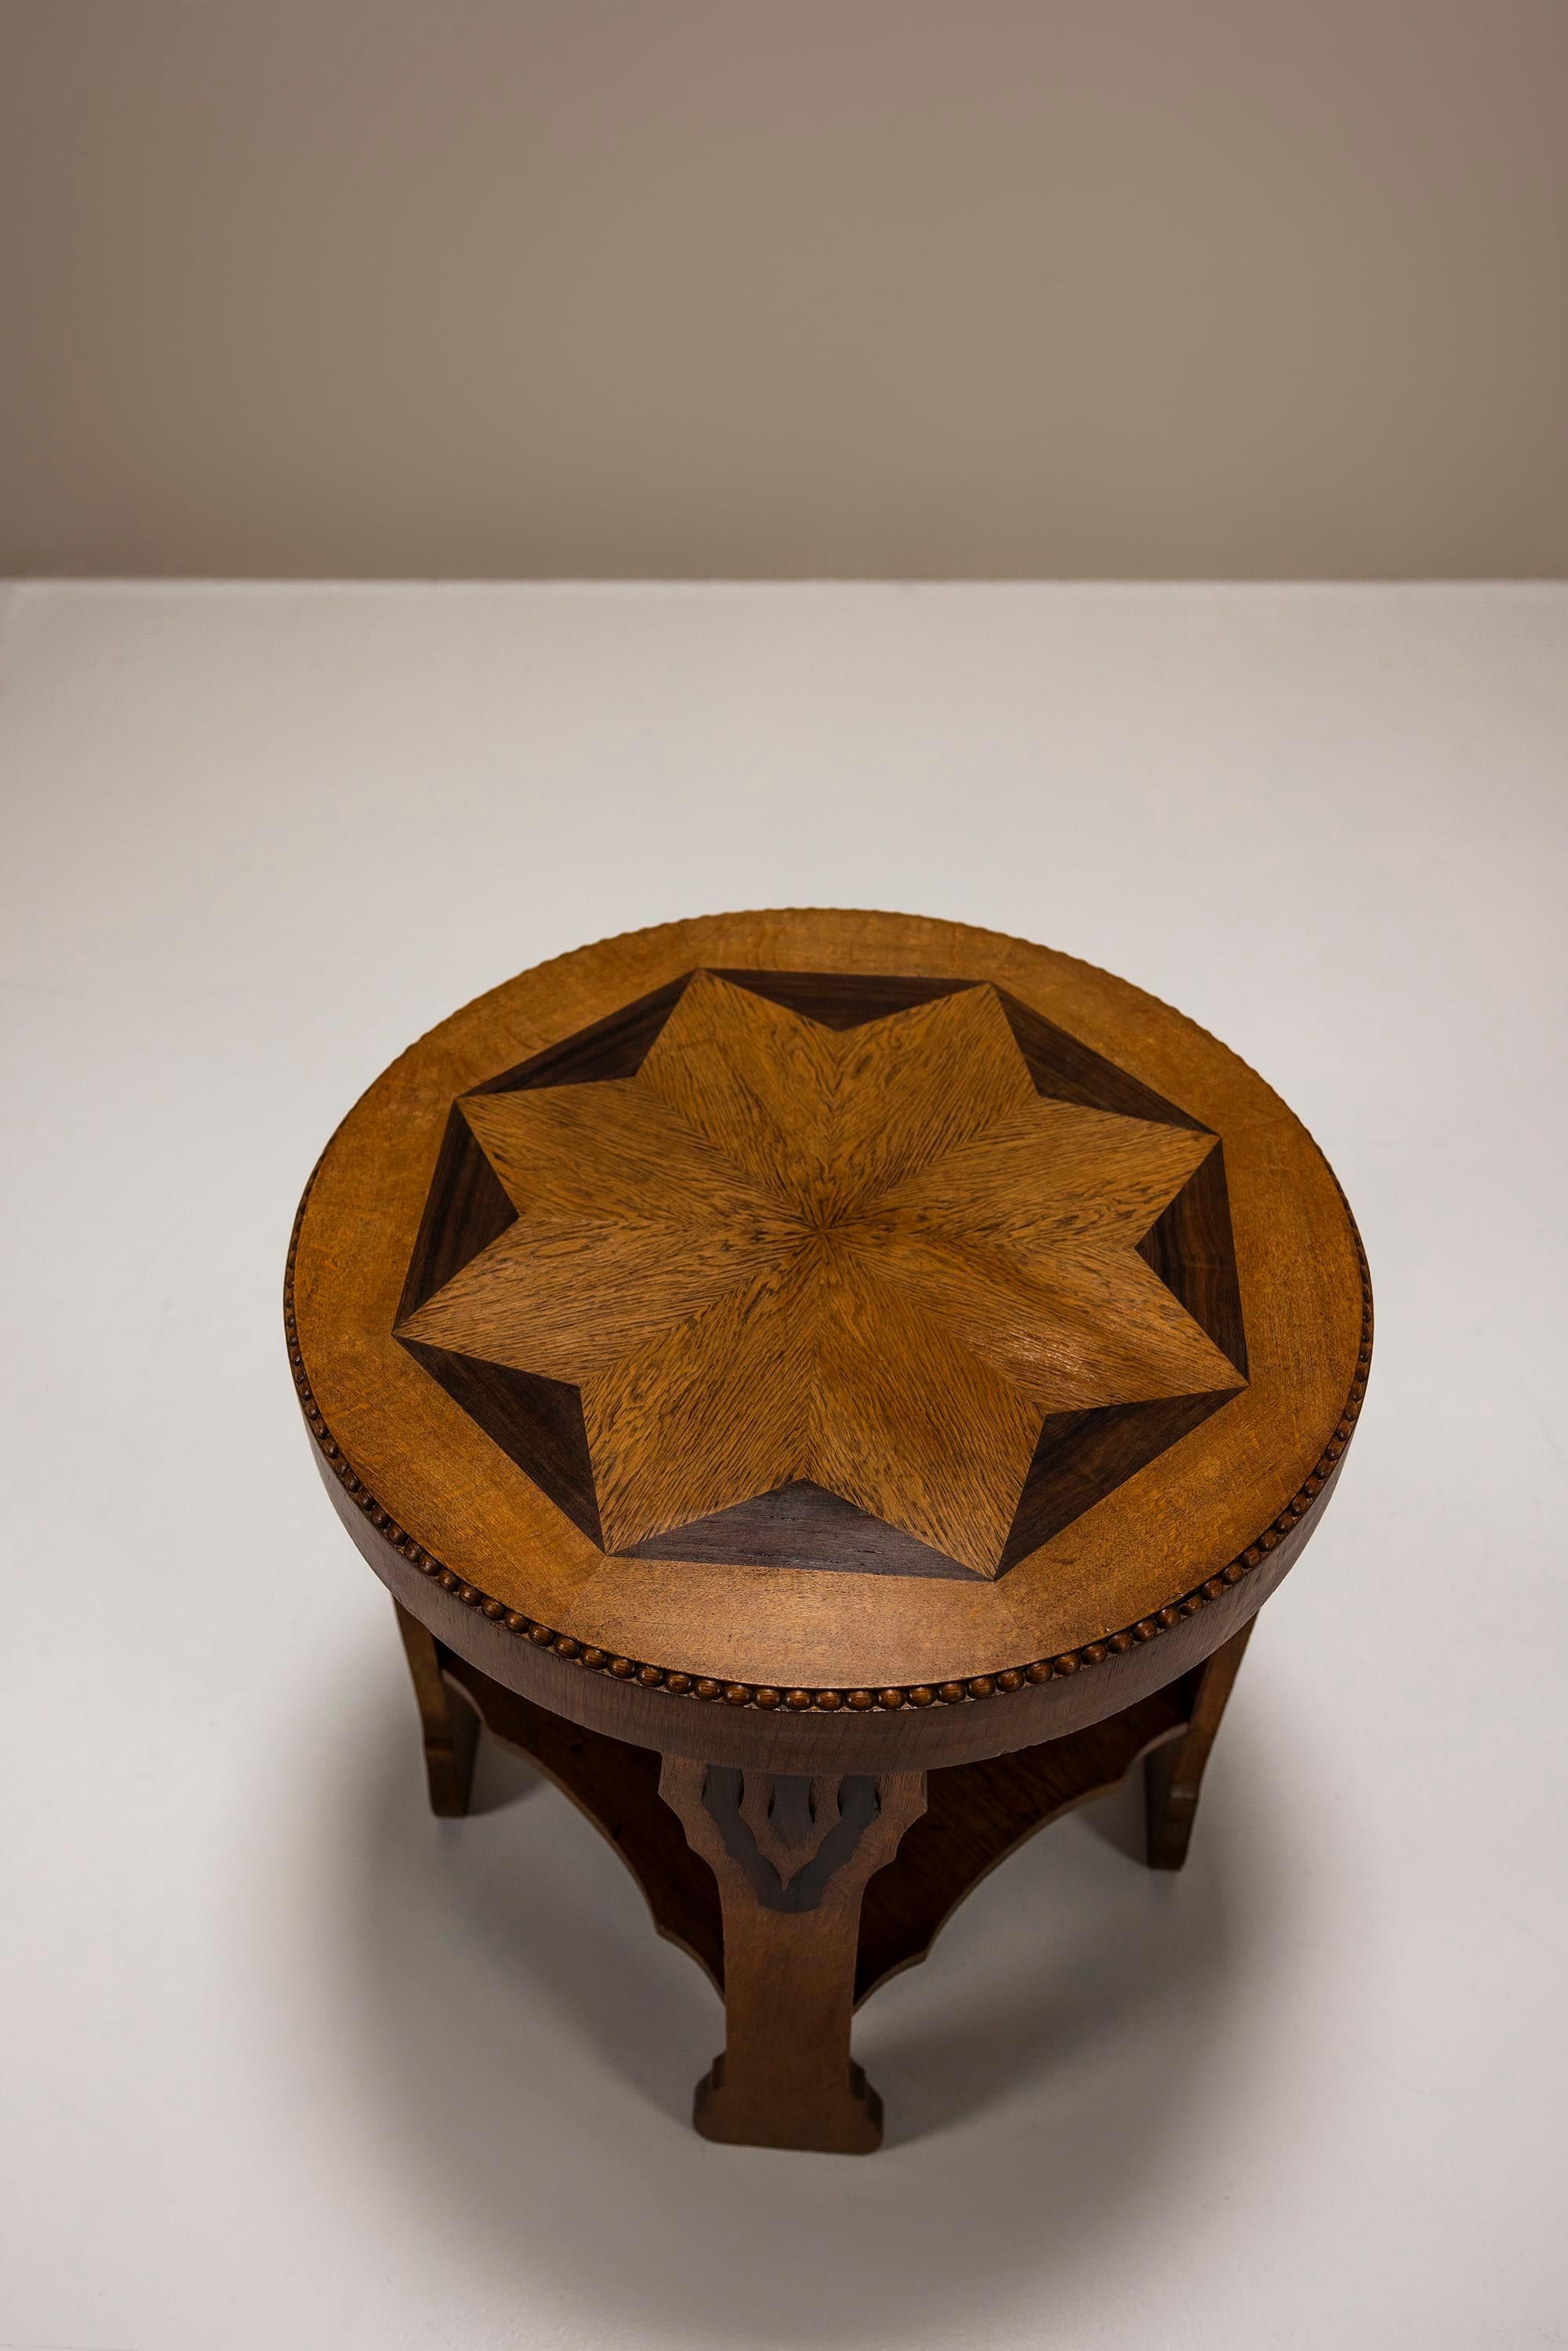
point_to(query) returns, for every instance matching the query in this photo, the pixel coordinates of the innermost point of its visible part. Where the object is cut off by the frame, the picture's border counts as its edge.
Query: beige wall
(1198, 288)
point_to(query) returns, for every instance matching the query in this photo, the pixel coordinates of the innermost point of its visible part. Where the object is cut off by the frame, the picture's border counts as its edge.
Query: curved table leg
(792, 1857)
(1173, 1775)
(450, 1725)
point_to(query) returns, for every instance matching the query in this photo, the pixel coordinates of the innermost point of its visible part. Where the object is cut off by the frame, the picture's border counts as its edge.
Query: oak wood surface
(791, 1902)
(799, 1895)
(1173, 1776)
(450, 1727)
(1008, 1237)
(869, 1259)
(947, 1731)
(771, 1362)
(977, 1815)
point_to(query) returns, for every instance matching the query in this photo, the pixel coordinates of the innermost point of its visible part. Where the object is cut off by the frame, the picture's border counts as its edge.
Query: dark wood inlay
(1066, 1069)
(466, 1210)
(614, 1047)
(886, 1260)
(838, 999)
(1081, 1457)
(536, 1423)
(801, 1525)
(1191, 1248)
(764, 1211)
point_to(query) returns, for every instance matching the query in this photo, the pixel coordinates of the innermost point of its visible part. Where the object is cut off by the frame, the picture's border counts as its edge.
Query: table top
(824, 1304)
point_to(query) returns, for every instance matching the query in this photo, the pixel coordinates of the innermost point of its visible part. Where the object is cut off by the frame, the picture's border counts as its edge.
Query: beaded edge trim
(764, 1695)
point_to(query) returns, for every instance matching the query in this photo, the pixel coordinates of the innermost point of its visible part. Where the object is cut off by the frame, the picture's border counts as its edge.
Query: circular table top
(827, 1302)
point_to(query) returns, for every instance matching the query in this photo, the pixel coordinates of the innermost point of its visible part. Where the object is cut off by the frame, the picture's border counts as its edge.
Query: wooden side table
(834, 1389)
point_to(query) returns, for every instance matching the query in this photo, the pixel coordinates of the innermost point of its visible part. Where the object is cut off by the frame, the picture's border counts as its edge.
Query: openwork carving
(789, 1835)
(869, 1274)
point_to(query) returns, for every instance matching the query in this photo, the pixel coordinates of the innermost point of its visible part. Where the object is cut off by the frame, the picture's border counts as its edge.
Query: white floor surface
(289, 2063)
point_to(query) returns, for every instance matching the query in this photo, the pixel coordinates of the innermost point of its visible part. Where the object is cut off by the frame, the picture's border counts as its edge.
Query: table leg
(792, 1857)
(450, 1725)
(1172, 1774)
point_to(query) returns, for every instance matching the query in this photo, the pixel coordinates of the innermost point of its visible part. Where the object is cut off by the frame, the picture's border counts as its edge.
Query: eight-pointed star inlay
(873, 1261)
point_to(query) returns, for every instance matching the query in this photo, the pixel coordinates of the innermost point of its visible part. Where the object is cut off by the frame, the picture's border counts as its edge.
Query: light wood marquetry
(836, 1390)
(872, 1259)
(831, 1302)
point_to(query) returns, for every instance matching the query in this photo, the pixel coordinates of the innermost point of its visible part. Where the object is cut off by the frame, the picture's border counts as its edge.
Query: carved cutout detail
(790, 1835)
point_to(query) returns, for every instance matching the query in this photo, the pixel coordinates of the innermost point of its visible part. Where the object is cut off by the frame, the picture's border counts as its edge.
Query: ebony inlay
(536, 1422)
(1081, 1457)
(840, 999)
(1191, 1250)
(1066, 1069)
(801, 1525)
(626, 1198)
(614, 1047)
(466, 1210)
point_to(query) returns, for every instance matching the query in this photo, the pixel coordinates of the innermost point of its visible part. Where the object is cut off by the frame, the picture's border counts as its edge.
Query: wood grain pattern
(532, 1418)
(1068, 1069)
(865, 1260)
(799, 1524)
(402, 1452)
(469, 1207)
(977, 1815)
(1189, 1246)
(449, 1727)
(611, 1048)
(785, 2077)
(761, 1729)
(1080, 1457)
(803, 1242)
(789, 1837)
(1174, 1777)
(843, 1000)
(615, 1786)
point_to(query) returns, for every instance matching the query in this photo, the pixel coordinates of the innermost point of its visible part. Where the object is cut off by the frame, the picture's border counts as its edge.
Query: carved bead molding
(793, 1842)
(583, 1657)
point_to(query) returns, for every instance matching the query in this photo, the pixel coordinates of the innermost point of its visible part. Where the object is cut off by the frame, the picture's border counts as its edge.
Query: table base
(797, 1896)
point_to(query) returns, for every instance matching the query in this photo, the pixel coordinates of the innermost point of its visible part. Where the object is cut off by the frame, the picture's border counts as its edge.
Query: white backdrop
(288, 2062)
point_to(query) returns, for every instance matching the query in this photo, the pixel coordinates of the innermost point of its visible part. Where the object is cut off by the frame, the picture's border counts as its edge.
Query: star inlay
(873, 1261)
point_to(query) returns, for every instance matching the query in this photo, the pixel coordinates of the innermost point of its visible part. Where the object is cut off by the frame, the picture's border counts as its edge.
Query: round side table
(834, 1390)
